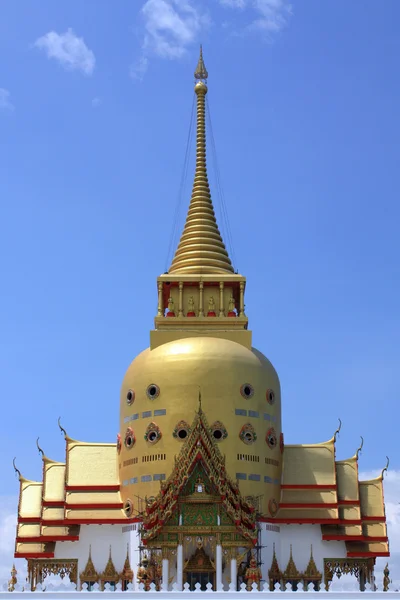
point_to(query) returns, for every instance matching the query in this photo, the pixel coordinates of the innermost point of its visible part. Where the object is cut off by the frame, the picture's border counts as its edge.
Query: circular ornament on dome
(128, 508)
(247, 390)
(153, 433)
(130, 397)
(181, 430)
(271, 438)
(270, 395)
(129, 438)
(119, 444)
(218, 431)
(273, 507)
(247, 434)
(153, 391)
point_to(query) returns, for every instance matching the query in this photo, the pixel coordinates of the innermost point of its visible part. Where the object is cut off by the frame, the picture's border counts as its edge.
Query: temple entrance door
(202, 577)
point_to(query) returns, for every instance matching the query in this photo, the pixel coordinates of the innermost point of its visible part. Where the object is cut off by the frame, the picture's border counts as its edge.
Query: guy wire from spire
(174, 232)
(224, 210)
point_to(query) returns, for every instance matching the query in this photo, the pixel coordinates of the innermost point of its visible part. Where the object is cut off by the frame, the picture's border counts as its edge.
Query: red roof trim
(381, 519)
(349, 502)
(29, 520)
(366, 554)
(312, 521)
(288, 486)
(308, 505)
(33, 554)
(53, 503)
(48, 538)
(66, 522)
(353, 538)
(94, 506)
(92, 488)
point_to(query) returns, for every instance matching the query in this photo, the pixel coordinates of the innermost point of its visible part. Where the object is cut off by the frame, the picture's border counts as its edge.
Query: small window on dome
(270, 396)
(218, 431)
(271, 438)
(129, 438)
(128, 508)
(248, 434)
(181, 430)
(247, 390)
(130, 397)
(153, 433)
(153, 391)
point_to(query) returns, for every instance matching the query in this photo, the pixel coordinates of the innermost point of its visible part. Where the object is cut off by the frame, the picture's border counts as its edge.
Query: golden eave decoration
(200, 447)
(110, 573)
(311, 573)
(89, 574)
(291, 572)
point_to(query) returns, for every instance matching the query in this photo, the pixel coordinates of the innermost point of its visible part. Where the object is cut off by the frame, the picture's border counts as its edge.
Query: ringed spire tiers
(201, 249)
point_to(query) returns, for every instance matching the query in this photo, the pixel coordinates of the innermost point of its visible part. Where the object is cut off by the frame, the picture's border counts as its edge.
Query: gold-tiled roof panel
(93, 497)
(347, 479)
(28, 529)
(289, 496)
(371, 498)
(91, 464)
(350, 513)
(341, 530)
(370, 547)
(53, 480)
(51, 513)
(374, 529)
(92, 514)
(30, 498)
(303, 513)
(311, 464)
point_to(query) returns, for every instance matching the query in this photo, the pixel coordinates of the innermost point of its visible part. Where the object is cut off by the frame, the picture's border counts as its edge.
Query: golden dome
(234, 383)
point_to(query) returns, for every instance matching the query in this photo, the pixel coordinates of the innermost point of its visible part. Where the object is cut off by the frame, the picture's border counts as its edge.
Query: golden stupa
(200, 474)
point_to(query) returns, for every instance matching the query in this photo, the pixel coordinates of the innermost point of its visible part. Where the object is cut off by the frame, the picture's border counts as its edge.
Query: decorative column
(180, 306)
(201, 308)
(218, 567)
(233, 571)
(179, 566)
(160, 308)
(221, 299)
(241, 300)
(165, 569)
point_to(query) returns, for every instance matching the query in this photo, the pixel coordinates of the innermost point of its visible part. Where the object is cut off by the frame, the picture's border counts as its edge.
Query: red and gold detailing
(253, 575)
(273, 507)
(181, 430)
(248, 434)
(153, 433)
(274, 573)
(199, 450)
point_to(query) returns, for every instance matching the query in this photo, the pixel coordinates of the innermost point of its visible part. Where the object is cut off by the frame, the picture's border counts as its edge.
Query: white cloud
(69, 49)
(5, 102)
(268, 16)
(171, 26)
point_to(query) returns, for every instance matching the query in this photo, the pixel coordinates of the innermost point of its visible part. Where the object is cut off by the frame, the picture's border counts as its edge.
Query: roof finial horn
(62, 428)
(360, 447)
(386, 467)
(337, 430)
(15, 468)
(39, 448)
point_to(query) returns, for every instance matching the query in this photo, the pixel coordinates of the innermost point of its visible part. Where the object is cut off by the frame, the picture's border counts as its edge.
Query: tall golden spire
(201, 249)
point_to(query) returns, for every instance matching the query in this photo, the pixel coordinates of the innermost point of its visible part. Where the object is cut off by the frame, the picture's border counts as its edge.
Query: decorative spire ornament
(201, 249)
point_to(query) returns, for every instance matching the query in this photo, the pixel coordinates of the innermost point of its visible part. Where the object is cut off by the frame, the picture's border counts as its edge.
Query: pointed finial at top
(61, 428)
(39, 448)
(386, 467)
(360, 446)
(337, 430)
(201, 71)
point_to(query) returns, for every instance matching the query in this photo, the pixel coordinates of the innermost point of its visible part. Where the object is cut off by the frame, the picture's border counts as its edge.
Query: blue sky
(95, 105)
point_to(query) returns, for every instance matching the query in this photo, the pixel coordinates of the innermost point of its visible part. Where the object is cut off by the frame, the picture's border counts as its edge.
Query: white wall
(301, 537)
(100, 537)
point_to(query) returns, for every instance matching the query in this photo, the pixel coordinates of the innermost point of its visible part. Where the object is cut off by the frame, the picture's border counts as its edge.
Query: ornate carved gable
(311, 573)
(200, 455)
(127, 573)
(199, 561)
(291, 572)
(110, 573)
